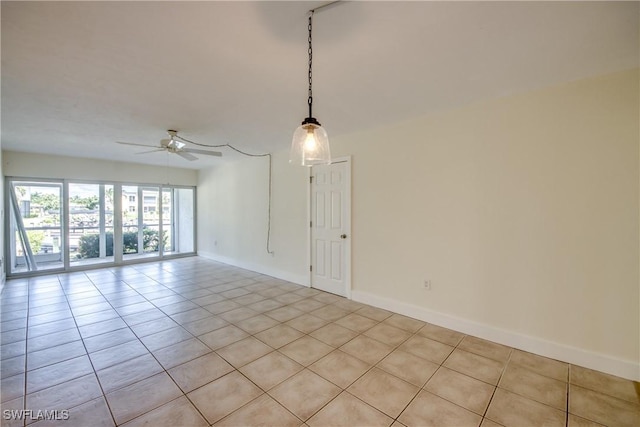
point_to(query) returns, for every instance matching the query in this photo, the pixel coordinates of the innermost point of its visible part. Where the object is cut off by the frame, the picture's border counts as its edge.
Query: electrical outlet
(427, 284)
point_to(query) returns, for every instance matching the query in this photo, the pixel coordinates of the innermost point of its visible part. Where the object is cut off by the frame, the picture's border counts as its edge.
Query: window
(58, 225)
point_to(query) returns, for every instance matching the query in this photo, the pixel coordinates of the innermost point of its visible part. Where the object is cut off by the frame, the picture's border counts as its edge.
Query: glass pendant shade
(310, 145)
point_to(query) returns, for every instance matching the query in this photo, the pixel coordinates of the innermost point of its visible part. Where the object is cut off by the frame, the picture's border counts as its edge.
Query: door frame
(347, 222)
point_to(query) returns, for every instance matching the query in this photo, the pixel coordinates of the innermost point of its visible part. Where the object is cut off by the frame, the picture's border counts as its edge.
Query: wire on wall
(269, 251)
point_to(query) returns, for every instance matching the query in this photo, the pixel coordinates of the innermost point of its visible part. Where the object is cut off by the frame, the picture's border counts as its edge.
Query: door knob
(343, 236)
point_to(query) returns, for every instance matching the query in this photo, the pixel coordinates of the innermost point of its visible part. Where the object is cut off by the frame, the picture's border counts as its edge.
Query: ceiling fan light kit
(310, 145)
(175, 146)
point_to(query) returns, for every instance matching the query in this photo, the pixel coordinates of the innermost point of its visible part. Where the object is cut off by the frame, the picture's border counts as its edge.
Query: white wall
(18, 164)
(3, 273)
(523, 212)
(233, 216)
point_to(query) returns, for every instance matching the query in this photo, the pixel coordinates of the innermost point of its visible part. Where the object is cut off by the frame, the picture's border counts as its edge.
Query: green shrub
(89, 244)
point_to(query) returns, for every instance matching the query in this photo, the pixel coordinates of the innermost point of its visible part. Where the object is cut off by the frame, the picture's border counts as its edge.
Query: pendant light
(310, 145)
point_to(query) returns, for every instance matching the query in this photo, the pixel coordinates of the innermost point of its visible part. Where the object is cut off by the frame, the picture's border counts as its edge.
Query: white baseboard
(258, 268)
(600, 362)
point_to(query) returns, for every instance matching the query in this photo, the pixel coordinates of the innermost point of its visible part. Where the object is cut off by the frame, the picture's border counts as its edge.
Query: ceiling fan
(175, 146)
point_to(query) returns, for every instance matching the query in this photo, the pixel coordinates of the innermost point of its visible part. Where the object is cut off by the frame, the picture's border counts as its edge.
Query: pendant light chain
(310, 100)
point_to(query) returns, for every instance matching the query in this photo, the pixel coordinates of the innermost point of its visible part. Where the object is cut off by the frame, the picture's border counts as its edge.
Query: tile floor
(191, 342)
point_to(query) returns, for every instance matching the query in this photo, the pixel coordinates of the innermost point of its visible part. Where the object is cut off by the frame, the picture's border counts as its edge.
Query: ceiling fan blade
(137, 145)
(151, 151)
(187, 156)
(205, 152)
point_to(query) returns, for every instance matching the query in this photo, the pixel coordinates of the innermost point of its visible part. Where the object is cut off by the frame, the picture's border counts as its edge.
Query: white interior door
(331, 227)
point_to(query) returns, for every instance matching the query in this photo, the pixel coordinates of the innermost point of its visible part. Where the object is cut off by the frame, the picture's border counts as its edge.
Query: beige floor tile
(356, 322)
(349, 305)
(605, 383)
(429, 410)
(12, 405)
(304, 393)
(427, 349)
(279, 335)
(152, 326)
(63, 337)
(94, 413)
(244, 351)
(340, 368)
(330, 313)
(178, 412)
(143, 396)
(234, 293)
(408, 367)
(289, 298)
(388, 334)
(271, 292)
(334, 335)
(256, 324)
(486, 422)
(129, 372)
(308, 305)
(181, 352)
(602, 408)
(55, 374)
(238, 314)
(485, 348)
(52, 355)
(306, 350)
(165, 338)
(535, 386)
(575, 421)
(270, 370)
(444, 335)
(66, 395)
(14, 349)
(109, 339)
(223, 337)
(265, 305)
(221, 307)
(284, 314)
(191, 315)
(475, 366)
(470, 393)
(12, 387)
(349, 411)
(13, 366)
(199, 372)
(540, 365)
(374, 313)
(404, 322)
(383, 391)
(120, 353)
(367, 349)
(328, 298)
(510, 409)
(248, 299)
(263, 411)
(221, 397)
(205, 325)
(307, 323)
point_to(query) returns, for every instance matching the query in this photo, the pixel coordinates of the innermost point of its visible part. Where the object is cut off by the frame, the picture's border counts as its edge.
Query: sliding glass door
(68, 225)
(90, 228)
(35, 234)
(141, 212)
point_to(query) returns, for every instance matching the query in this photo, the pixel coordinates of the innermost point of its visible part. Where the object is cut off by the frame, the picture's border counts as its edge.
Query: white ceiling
(77, 76)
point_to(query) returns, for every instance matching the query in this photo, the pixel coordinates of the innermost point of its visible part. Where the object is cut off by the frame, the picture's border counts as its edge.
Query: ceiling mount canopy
(310, 145)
